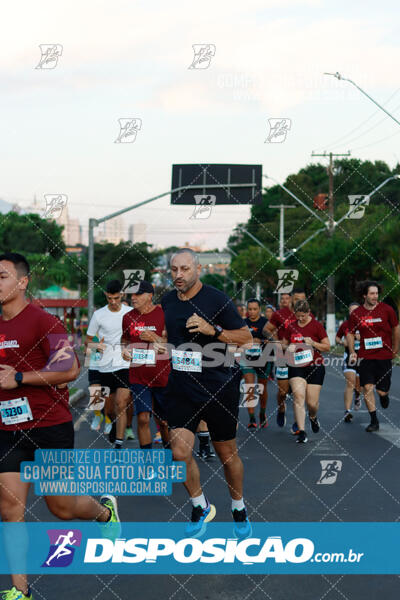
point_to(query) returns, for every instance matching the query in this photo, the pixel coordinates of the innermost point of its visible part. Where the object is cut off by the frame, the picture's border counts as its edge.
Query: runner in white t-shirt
(111, 370)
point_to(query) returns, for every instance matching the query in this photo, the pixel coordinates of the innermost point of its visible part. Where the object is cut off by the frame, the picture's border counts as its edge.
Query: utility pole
(330, 284)
(281, 228)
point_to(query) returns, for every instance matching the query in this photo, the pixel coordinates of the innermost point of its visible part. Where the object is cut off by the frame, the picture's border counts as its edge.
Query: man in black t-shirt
(204, 383)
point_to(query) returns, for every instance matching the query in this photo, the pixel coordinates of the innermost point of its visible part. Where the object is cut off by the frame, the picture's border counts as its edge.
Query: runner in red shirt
(379, 330)
(305, 339)
(276, 327)
(36, 363)
(350, 369)
(149, 371)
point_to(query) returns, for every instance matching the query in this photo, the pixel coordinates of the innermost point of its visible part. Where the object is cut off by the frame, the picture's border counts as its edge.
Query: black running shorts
(219, 410)
(313, 374)
(94, 377)
(115, 380)
(378, 372)
(18, 446)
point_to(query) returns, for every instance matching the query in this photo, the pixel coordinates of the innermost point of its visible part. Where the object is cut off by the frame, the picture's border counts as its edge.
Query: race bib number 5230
(15, 411)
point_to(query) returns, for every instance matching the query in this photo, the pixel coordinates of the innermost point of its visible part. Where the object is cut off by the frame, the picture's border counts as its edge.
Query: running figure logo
(132, 277)
(50, 55)
(98, 396)
(287, 278)
(278, 130)
(329, 471)
(357, 205)
(128, 129)
(62, 547)
(204, 204)
(251, 394)
(54, 205)
(203, 54)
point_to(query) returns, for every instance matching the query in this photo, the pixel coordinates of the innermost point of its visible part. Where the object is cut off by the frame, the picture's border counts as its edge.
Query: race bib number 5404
(186, 361)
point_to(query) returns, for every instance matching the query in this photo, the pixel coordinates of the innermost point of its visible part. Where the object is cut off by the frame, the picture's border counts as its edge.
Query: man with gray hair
(203, 388)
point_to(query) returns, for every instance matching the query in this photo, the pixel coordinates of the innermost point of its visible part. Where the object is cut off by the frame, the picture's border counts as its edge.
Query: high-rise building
(72, 232)
(137, 233)
(112, 231)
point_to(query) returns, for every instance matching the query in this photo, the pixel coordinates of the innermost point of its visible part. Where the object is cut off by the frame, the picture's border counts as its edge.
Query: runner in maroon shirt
(276, 327)
(149, 371)
(305, 339)
(36, 363)
(379, 343)
(350, 370)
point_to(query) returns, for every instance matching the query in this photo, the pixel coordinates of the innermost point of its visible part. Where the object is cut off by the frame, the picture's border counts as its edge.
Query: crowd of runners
(187, 362)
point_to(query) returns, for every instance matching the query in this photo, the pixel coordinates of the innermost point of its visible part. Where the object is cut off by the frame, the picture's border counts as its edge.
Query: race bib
(183, 360)
(303, 357)
(282, 372)
(143, 357)
(253, 352)
(15, 411)
(371, 343)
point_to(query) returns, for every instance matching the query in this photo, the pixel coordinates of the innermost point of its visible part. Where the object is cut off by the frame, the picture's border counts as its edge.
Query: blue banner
(163, 548)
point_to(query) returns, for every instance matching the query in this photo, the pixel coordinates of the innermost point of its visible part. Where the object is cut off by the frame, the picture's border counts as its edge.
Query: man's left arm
(395, 339)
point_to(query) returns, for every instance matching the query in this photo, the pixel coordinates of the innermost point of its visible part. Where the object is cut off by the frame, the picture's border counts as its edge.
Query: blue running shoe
(242, 529)
(295, 429)
(199, 519)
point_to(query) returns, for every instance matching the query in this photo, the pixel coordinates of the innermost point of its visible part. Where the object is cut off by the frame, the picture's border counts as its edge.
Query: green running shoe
(111, 529)
(15, 594)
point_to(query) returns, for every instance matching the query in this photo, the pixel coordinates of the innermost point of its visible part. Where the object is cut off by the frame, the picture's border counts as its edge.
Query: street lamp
(339, 76)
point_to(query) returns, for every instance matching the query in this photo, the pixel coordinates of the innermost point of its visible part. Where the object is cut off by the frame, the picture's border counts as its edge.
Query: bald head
(185, 269)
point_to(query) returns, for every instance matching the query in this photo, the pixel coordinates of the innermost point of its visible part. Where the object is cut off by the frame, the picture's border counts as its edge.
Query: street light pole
(338, 76)
(282, 228)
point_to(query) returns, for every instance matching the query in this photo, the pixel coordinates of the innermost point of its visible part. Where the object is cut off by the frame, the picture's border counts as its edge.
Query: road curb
(78, 395)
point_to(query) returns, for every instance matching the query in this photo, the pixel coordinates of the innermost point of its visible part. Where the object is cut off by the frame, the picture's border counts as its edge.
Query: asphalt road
(280, 485)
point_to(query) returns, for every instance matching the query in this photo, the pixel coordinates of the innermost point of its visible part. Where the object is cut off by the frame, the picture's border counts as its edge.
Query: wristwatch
(18, 377)
(218, 330)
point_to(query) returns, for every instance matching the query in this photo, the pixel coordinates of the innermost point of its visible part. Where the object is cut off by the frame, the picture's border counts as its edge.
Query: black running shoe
(314, 424)
(206, 453)
(348, 416)
(263, 421)
(281, 418)
(252, 424)
(302, 437)
(372, 427)
(112, 436)
(384, 400)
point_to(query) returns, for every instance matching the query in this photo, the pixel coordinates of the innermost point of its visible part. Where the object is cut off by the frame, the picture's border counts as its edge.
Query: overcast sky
(130, 59)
